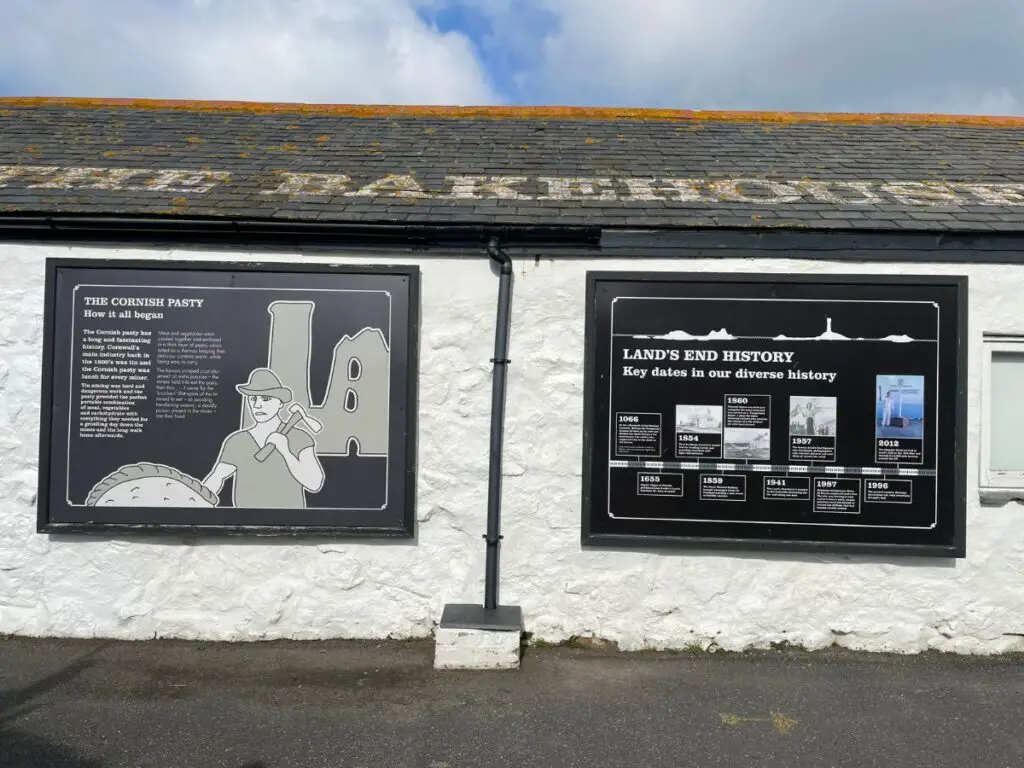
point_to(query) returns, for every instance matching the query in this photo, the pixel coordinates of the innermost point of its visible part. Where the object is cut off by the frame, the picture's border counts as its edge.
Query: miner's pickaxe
(298, 413)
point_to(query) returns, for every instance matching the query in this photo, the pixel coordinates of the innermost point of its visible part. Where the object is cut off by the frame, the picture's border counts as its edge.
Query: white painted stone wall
(251, 590)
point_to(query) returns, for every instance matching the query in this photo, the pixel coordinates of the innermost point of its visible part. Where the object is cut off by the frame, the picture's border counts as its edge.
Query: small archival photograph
(747, 443)
(899, 406)
(701, 419)
(811, 415)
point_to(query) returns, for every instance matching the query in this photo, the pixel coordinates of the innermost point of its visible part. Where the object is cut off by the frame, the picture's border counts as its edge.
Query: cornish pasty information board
(226, 397)
(775, 411)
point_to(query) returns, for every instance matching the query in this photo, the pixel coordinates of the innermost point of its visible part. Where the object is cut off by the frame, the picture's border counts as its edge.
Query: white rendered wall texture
(139, 587)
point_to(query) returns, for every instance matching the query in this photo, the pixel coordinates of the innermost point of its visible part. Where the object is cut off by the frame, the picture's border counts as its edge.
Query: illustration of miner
(273, 462)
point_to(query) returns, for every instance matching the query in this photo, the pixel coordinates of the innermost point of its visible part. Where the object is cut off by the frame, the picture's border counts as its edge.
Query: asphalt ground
(87, 704)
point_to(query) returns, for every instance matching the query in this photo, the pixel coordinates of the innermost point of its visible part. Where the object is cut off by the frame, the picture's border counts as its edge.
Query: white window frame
(996, 486)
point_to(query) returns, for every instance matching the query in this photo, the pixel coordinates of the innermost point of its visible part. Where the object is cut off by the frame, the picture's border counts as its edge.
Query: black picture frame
(399, 522)
(946, 540)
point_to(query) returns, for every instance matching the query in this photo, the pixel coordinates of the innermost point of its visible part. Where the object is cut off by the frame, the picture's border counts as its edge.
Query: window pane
(1007, 417)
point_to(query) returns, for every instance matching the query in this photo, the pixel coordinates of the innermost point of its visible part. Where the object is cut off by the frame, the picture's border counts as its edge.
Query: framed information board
(776, 412)
(231, 398)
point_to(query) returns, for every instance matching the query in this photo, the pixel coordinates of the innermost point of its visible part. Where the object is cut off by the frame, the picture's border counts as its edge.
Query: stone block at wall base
(458, 648)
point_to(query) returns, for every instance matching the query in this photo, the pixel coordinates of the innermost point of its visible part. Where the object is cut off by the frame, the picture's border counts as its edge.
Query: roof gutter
(181, 229)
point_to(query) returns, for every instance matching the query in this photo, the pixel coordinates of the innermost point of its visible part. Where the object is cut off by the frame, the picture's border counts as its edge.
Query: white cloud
(358, 51)
(858, 55)
(829, 55)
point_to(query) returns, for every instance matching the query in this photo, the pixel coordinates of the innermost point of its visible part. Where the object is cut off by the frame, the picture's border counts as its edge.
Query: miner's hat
(264, 381)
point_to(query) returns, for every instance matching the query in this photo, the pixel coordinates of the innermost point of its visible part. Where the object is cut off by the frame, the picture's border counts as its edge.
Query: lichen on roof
(520, 112)
(550, 166)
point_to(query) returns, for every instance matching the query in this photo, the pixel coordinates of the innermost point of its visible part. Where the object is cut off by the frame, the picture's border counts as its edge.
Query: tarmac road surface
(100, 704)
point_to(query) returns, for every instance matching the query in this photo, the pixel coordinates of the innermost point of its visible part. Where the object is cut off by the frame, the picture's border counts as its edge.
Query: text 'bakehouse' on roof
(514, 167)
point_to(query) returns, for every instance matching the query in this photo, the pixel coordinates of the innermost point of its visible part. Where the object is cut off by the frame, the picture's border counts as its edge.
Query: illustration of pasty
(150, 485)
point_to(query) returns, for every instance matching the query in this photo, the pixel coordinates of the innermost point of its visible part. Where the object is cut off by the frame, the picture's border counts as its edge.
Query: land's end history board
(228, 398)
(776, 412)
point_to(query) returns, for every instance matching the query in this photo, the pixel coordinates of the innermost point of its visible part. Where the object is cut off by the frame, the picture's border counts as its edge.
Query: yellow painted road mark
(780, 722)
(783, 723)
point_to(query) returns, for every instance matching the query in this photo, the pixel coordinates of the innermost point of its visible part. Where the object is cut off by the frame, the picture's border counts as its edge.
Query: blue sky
(502, 50)
(960, 56)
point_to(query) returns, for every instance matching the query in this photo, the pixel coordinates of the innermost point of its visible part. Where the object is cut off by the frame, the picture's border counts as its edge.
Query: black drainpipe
(493, 616)
(500, 363)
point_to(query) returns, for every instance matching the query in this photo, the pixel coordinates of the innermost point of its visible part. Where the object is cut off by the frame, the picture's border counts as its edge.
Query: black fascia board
(831, 244)
(218, 230)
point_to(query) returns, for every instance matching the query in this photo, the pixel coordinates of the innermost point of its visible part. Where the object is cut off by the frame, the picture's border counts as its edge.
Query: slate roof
(614, 169)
